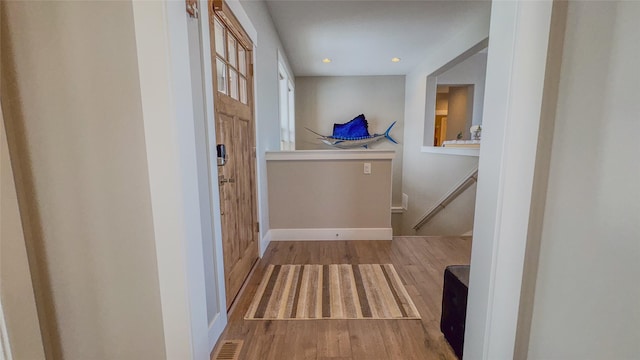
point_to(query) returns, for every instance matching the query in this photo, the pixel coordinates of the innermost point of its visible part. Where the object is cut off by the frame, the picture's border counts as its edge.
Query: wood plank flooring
(420, 263)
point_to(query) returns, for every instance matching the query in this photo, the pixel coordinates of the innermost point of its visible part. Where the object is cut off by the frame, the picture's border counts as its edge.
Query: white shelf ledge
(450, 151)
(330, 155)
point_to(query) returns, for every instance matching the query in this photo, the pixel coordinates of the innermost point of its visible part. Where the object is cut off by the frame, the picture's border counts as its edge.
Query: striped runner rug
(336, 291)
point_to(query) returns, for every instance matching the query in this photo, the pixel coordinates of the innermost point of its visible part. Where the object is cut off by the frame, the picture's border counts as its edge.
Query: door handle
(229, 180)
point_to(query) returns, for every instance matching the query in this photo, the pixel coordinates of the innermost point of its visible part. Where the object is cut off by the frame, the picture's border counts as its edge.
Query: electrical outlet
(367, 168)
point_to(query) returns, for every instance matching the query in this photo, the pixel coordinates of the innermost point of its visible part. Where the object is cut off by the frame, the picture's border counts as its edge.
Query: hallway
(420, 262)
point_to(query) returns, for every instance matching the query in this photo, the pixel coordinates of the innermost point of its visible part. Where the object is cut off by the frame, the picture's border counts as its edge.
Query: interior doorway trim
(516, 70)
(511, 169)
(244, 20)
(161, 34)
(218, 323)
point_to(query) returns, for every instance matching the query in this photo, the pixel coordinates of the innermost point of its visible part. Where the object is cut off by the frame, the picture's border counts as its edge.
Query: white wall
(426, 177)
(267, 101)
(16, 288)
(587, 291)
(330, 194)
(325, 100)
(71, 101)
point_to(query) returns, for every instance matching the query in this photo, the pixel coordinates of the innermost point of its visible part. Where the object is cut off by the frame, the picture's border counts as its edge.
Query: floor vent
(229, 350)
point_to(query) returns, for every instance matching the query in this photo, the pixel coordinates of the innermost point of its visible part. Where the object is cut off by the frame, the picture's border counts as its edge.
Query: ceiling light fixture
(326, 60)
(395, 59)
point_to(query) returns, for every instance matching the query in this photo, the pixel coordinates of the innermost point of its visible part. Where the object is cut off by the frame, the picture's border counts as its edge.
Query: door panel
(235, 128)
(228, 204)
(245, 185)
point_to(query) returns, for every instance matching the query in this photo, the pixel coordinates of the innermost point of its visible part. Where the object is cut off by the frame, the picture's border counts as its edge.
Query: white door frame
(511, 168)
(167, 107)
(219, 320)
(513, 100)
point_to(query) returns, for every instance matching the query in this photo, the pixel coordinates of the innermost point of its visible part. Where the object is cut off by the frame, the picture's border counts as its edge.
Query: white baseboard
(264, 242)
(331, 234)
(216, 327)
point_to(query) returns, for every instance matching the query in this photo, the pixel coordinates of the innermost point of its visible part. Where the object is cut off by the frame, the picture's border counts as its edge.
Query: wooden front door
(233, 102)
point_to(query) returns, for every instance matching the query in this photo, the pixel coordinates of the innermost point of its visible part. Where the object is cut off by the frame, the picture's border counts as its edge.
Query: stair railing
(451, 195)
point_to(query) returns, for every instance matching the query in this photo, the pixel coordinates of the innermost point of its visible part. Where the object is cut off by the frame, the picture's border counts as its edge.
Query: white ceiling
(361, 37)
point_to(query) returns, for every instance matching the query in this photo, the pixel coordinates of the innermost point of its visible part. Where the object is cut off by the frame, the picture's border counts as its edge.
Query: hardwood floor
(420, 262)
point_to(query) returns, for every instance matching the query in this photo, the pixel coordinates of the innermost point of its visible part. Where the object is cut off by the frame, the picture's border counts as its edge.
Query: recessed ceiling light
(395, 59)
(326, 60)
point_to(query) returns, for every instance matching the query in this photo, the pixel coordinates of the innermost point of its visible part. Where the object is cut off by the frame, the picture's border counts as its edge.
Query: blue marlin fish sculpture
(353, 134)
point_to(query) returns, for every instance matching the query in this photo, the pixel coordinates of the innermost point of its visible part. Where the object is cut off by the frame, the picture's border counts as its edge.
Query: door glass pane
(219, 32)
(233, 83)
(243, 90)
(232, 50)
(221, 69)
(242, 60)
